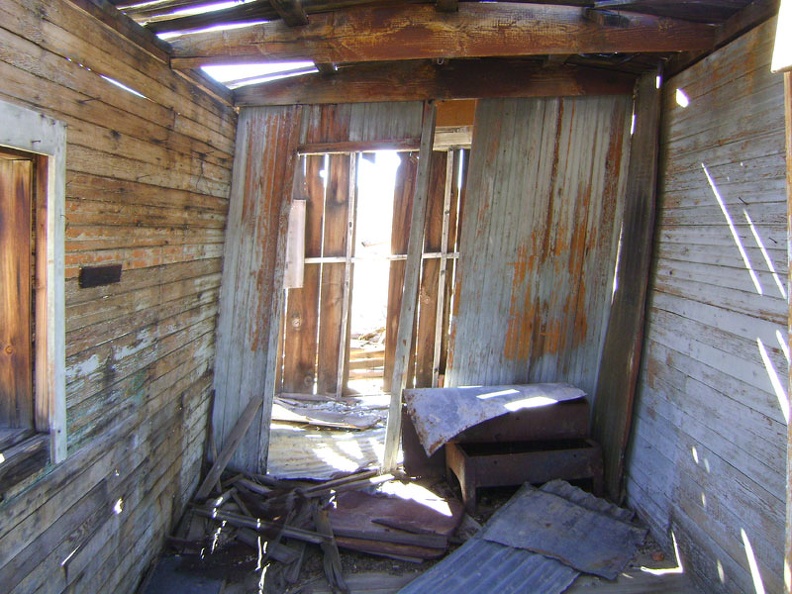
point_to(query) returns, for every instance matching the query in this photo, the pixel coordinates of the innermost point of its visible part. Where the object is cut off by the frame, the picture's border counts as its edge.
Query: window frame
(32, 132)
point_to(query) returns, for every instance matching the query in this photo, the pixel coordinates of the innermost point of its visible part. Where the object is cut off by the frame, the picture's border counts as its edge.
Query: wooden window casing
(32, 399)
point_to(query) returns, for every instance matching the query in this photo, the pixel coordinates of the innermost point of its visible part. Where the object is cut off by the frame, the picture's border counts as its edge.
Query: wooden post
(621, 354)
(409, 296)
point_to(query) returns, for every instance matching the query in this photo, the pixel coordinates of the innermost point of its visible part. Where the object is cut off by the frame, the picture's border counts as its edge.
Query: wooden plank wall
(147, 187)
(361, 126)
(707, 461)
(251, 300)
(251, 296)
(544, 192)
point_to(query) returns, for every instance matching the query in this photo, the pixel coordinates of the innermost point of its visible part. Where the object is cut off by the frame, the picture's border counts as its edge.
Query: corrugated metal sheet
(382, 123)
(483, 567)
(300, 453)
(552, 526)
(539, 238)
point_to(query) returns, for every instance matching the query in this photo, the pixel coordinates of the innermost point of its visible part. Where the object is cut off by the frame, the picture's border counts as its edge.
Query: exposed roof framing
(414, 32)
(422, 79)
(415, 49)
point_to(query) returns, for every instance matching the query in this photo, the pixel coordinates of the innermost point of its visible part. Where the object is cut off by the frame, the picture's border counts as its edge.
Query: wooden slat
(415, 32)
(420, 80)
(302, 314)
(332, 291)
(232, 442)
(404, 189)
(409, 295)
(430, 276)
(16, 267)
(621, 354)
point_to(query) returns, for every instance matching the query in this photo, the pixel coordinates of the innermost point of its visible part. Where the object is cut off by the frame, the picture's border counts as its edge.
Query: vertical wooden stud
(411, 277)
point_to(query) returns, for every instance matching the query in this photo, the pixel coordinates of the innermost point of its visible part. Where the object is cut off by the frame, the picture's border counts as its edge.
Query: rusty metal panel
(439, 414)
(481, 567)
(252, 276)
(539, 238)
(550, 525)
(360, 124)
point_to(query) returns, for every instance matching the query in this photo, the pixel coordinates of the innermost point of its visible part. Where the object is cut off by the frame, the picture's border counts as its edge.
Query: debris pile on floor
(364, 512)
(539, 540)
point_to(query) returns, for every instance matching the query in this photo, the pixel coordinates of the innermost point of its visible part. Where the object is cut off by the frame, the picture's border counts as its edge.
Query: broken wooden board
(555, 527)
(439, 414)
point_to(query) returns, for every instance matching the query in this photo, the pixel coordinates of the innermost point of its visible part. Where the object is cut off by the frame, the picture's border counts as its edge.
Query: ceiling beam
(291, 11)
(411, 32)
(422, 80)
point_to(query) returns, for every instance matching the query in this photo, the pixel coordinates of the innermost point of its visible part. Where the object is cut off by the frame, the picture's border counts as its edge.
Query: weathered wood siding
(253, 276)
(707, 460)
(252, 296)
(539, 237)
(147, 188)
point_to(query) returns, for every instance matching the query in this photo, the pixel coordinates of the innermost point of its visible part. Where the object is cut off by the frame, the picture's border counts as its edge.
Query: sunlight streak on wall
(782, 342)
(733, 230)
(752, 564)
(766, 256)
(778, 387)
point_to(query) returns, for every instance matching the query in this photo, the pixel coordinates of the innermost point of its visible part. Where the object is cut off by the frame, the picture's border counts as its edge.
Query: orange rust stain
(517, 345)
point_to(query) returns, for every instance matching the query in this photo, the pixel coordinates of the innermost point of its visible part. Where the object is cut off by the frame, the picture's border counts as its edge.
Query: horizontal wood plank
(420, 32)
(420, 80)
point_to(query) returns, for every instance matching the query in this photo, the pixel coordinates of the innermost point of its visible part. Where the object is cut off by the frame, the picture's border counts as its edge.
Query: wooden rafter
(291, 11)
(421, 32)
(421, 80)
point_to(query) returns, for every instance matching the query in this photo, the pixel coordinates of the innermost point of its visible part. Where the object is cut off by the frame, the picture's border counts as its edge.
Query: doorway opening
(348, 237)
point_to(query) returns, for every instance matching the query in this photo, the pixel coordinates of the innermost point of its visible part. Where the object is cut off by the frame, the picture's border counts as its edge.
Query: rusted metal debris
(440, 414)
(280, 519)
(529, 545)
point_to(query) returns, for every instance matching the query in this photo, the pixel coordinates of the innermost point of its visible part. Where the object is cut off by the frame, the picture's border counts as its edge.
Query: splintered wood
(280, 520)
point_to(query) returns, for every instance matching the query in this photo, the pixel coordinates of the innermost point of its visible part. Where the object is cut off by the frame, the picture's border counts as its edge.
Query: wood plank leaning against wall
(147, 187)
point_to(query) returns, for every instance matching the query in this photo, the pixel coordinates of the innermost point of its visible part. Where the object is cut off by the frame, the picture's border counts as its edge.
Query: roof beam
(291, 11)
(422, 80)
(412, 32)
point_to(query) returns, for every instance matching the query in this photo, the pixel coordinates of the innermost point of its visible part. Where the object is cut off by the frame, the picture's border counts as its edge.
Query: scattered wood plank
(234, 438)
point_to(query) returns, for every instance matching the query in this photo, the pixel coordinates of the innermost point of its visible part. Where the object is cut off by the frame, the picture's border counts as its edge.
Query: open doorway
(337, 340)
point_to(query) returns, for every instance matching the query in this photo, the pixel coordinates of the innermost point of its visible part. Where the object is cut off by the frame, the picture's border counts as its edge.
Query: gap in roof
(237, 75)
